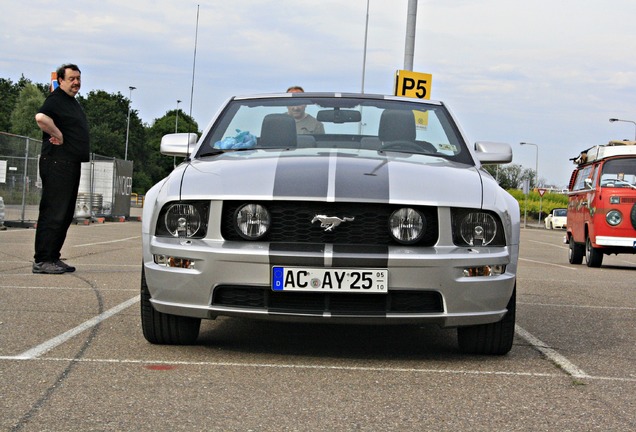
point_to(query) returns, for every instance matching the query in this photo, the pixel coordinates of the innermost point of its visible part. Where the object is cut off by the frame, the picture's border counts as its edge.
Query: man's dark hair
(61, 71)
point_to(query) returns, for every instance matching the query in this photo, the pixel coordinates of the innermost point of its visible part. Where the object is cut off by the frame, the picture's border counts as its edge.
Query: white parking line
(322, 367)
(108, 242)
(58, 340)
(548, 263)
(547, 244)
(573, 306)
(551, 354)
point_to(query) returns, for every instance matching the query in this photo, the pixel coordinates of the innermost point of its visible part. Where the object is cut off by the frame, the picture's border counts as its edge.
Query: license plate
(330, 280)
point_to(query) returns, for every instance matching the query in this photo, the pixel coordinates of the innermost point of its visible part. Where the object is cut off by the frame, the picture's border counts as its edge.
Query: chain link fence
(20, 186)
(105, 186)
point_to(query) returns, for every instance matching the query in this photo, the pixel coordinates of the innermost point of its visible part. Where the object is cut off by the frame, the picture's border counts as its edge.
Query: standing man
(65, 146)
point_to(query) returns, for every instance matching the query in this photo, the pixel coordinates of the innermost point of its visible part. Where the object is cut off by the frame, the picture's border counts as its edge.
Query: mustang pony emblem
(330, 222)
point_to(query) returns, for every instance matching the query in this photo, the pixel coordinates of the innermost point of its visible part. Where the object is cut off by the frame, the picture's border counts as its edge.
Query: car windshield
(336, 122)
(560, 212)
(619, 173)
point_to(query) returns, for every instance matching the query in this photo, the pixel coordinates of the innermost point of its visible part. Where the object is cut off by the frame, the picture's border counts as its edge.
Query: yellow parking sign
(413, 84)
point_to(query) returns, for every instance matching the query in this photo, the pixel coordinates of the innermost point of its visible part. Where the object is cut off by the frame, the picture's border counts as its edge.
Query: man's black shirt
(70, 119)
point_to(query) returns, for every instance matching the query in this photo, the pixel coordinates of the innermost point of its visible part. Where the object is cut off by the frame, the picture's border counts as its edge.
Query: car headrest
(278, 130)
(397, 125)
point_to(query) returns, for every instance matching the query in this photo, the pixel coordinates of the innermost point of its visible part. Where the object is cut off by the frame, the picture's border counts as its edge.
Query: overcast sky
(550, 72)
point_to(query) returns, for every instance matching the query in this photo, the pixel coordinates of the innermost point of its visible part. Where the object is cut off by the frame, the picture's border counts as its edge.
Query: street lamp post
(176, 121)
(131, 88)
(612, 120)
(536, 169)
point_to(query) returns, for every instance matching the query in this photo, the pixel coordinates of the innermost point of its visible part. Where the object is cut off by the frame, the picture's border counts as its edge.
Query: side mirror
(178, 144)
(588, 183)
(493, 152)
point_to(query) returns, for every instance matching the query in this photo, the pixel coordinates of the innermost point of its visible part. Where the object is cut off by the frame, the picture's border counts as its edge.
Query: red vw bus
(601, 207)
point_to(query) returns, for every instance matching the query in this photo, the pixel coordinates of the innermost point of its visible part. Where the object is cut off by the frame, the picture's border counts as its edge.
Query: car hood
(331, 175)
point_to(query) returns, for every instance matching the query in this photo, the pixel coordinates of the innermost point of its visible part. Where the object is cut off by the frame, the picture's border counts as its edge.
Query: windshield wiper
(212, 152)
(215, 152)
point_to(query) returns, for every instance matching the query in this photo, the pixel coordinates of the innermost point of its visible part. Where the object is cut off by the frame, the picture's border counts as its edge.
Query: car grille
(336, 304)
(291, 223)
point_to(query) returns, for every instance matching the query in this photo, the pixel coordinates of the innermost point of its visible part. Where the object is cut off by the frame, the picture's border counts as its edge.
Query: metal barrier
(104, 181)
(20, 186)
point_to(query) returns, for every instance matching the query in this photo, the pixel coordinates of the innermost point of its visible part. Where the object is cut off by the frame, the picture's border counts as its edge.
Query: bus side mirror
(588, 183)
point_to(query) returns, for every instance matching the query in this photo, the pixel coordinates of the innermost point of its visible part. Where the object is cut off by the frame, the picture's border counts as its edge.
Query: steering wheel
(403, 145)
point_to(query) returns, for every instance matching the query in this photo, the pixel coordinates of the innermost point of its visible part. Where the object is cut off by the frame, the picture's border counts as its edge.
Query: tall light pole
(176, 121)
(536, 168)
(409, 45)
(536, 172)
(612, 120)
(131, 88)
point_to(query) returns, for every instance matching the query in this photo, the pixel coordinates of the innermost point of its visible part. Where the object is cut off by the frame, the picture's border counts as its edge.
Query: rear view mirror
(338, 116)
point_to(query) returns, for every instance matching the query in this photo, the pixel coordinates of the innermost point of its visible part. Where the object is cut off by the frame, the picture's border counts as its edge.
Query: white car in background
(558, 218)
(386, 217)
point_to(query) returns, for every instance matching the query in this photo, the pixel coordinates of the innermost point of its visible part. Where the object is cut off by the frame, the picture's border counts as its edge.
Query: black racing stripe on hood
(314, 172)
(361, 178)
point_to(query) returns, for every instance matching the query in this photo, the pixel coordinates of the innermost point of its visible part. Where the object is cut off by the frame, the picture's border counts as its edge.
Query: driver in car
(305, 123)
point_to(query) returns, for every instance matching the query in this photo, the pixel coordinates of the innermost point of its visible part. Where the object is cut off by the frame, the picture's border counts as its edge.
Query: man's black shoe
(47, 267)
(67, 268)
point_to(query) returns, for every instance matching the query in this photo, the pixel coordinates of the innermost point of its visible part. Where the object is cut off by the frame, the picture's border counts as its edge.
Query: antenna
(194, 63)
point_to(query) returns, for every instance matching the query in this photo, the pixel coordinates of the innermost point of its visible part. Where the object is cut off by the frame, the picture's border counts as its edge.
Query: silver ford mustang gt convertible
(335, 208)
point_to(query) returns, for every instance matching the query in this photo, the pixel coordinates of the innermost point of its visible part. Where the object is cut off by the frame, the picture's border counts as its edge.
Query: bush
(534, 202)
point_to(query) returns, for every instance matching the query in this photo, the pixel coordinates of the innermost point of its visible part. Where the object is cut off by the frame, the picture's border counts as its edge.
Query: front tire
(575, 252)
(165, 329)
(593, 256)
(490, 339)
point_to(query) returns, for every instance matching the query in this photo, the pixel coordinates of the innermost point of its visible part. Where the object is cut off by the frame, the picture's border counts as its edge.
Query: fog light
(491, 270)
(173, 262)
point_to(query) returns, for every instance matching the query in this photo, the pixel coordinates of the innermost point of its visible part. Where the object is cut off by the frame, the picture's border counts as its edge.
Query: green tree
(107, 116)
(8, 95)
(108, 120)
(509, 176)
(27, 105)
(161, 165)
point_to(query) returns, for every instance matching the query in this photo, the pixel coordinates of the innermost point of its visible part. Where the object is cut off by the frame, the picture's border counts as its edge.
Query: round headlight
(407, 225)
(614, 217)
(182, 220)
(252, 221)
(478, 229)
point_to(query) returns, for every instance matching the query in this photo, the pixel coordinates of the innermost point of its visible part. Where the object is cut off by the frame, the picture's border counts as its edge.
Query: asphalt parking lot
(72, 356)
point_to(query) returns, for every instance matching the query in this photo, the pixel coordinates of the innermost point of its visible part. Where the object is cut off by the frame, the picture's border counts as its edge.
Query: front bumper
(440, 270)
(628, 242)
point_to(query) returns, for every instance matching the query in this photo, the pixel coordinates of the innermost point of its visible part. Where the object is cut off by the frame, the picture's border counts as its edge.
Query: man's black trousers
(60, 182)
